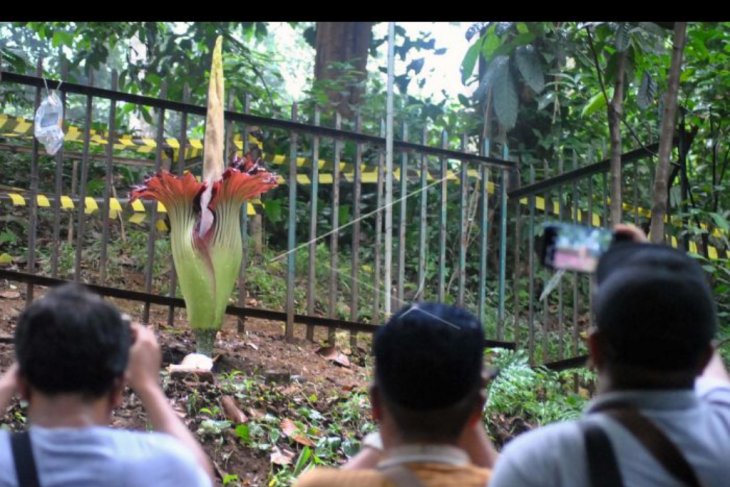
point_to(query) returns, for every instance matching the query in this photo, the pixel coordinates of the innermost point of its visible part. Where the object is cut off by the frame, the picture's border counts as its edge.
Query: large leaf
(488, 76)
(654, 29)
(490, 43)
(597, 102)
(528, 62)
(622, 36)
(612, 66)
(504, 93)
(545, 100)
(720, 221)
(647, 91)
(470, 60)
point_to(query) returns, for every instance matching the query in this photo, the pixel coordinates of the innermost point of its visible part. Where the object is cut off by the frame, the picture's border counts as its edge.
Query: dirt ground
(294, 370)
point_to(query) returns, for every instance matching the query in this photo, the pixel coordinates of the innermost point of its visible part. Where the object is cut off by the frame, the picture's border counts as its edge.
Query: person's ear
(376, 403)
(596, 350)
(479, 401)
(24, 389)
(116, 396)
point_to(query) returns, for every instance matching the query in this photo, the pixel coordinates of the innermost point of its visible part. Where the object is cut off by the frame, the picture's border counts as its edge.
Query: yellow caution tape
(17, 199)
(67, 202)
(43, 201)
(91, 205)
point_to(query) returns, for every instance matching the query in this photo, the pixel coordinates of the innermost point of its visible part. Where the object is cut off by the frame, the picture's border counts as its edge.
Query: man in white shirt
(75, 353)
(650, 424)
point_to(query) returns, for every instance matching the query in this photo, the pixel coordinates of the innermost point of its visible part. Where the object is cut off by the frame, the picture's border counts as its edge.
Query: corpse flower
(205, 218)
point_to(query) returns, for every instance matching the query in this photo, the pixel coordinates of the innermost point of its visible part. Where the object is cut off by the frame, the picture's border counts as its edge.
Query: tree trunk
(615, 113)
(659, 204)
(343, 42)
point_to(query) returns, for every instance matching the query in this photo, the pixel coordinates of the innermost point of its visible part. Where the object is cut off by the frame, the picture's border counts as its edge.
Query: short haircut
(428, 367)
(654, 307)
(71, 341)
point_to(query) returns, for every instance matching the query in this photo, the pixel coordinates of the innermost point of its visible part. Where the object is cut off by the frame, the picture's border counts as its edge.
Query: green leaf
(273, 210)
(490, 43)
(8, 236)
(228, 478)
(244, 433)
(597, 102)
(504, 93)
(470, 59)
(62, 38)
(720, 221)
(487, 77)
(302, 461)
(528, 63)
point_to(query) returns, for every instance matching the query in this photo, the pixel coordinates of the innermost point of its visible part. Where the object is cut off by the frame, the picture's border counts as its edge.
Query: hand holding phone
(574, 247)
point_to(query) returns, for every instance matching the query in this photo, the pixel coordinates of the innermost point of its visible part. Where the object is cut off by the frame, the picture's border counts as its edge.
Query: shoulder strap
(401, 476)
(602, 466)
(25, 467)
(657, 443)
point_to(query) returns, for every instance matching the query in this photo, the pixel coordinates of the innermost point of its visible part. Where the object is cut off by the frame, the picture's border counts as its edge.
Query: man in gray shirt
(655, 320)
(75, 353)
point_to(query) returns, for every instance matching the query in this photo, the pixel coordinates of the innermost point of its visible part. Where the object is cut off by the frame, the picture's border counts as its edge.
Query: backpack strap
(25, 468)
(653, 439)
(603, 469)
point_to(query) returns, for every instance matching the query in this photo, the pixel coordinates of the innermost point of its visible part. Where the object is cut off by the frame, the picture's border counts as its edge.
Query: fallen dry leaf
(232, 411)
(255, 413)
(10, 294)
(302, 440)
(290, 430)
(288, 427)
(281, 457)
(331, 353)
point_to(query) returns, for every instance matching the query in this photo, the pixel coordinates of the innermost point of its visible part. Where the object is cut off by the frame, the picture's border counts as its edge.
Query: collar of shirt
(676, 399)
(425, 453)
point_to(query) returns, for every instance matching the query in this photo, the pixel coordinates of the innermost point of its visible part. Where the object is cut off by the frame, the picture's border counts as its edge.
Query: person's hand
(145, 359)
(630, 232)
(8, 386)
(9, 379)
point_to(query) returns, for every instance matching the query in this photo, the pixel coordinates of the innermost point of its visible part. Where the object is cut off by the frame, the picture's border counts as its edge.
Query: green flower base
(205, 339)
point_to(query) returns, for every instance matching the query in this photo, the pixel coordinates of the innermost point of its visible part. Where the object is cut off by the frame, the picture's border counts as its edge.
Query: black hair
(654, 307)
(71, 341)
(428, 366)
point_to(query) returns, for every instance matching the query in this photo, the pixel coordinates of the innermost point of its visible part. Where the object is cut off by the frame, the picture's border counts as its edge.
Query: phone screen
(574, 247)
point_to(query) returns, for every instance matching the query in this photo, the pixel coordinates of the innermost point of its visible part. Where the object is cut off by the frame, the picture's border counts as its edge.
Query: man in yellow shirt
(427, 398)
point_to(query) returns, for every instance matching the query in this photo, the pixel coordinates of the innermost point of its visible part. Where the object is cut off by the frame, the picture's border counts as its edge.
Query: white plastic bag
(48, 123)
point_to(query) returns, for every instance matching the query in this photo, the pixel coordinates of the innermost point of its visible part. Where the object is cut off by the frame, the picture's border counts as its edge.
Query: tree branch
(597, 64)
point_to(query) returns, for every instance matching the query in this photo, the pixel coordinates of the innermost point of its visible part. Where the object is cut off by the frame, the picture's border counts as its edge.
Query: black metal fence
(448, 206)
(551, 324)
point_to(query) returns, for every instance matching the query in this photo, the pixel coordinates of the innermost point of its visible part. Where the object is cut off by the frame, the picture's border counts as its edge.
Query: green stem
(205, 339)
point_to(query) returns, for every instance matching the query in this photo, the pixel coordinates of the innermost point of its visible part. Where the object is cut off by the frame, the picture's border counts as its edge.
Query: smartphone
(573, 247)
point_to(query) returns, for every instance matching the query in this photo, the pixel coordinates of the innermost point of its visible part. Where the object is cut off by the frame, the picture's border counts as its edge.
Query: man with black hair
(654, 422)
(74, 352)
(427, 398)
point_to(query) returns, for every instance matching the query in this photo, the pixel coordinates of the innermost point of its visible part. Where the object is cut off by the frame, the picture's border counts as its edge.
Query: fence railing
(323, 234)
(551, 325)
